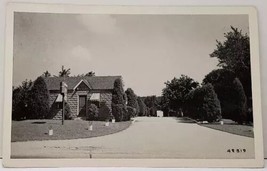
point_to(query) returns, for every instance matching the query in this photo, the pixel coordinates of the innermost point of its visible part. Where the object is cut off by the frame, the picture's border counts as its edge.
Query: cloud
(80, 53)
(103, 24)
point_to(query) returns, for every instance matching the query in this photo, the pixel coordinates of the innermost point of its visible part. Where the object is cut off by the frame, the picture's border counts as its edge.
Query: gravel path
(148, 137)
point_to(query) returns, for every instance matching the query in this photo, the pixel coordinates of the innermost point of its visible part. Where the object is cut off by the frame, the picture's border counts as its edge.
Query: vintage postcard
(132, 86)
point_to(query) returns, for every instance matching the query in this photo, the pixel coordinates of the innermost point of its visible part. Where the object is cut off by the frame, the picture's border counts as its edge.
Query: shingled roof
(95, 82)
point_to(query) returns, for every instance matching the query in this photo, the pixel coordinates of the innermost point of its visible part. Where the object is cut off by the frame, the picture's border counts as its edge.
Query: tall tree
(20, 100)
(240, 102)
(152, 105)
(222, 81)
(64, 72)
(132, 100)
(118, 101)
(38, 100)
(175, 91)
(142, 107)
(46, 74)
(234, 54)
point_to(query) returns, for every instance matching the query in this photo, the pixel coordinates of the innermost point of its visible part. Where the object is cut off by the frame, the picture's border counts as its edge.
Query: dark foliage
(118, 101)
(119, 111)
(92, 112)
(152, 105)
(203, 104)
(46, 74)
(104, 112)
(20, 101)
(132, 100)
(64, 72)
(229, 90)
(142, 107)
(90, 74)
(67, 112)
(173, 95)
(131, 112)
(38, 102)
(234, 54)
(222, 81)
(239, 102)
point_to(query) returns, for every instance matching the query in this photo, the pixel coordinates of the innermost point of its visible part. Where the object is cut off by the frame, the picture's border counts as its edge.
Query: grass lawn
(29, 130)
(243, 130)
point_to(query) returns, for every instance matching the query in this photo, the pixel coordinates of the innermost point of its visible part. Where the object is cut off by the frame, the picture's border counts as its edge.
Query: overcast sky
(146, 50)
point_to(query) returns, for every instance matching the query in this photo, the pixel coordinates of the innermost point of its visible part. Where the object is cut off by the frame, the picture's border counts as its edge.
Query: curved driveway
(148, 137)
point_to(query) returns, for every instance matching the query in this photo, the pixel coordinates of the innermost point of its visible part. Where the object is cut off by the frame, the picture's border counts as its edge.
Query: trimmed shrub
(104, 112)
(38, 103)
(203, 104)
(230, 93)
(118, 101)
(131, 112)
(142, 107)
(132, 100)
(67, 112)
(239, 102)
(19, 110)
(118, 111)
(222, 81)
(92, 112)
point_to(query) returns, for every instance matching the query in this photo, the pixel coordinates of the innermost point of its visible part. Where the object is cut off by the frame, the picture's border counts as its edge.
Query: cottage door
(82, 106)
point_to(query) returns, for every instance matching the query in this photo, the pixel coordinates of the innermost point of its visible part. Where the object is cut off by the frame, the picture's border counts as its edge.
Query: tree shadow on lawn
(185, 120)
(39, 122)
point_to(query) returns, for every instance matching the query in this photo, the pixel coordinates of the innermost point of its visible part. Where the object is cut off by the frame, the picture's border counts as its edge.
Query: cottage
(81, 91)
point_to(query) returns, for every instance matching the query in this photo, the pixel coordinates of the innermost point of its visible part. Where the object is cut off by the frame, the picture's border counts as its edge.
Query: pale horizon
(146, 50)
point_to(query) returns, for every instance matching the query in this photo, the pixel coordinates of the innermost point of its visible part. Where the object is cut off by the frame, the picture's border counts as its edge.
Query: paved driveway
(148, 137)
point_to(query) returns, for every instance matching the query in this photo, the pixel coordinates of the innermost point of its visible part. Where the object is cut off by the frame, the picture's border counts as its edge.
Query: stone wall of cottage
(72, 100)
(106, 97)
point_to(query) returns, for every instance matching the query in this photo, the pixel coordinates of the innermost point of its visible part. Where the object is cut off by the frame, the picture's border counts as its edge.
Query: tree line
(224, 92)
(126, 104)
(30, 100)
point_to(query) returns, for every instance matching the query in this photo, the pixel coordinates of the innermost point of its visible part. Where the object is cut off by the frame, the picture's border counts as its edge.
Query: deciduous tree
(234, 54)
(175, 91)
(20, 99)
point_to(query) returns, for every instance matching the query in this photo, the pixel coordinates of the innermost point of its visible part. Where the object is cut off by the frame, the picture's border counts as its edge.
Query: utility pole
(63, 91)
(63, 108)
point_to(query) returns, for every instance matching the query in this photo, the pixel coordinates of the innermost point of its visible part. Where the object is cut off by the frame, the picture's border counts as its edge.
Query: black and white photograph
(132, 86)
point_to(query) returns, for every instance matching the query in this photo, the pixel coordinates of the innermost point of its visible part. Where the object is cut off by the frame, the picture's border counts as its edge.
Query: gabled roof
(82, 81)
(95, 82)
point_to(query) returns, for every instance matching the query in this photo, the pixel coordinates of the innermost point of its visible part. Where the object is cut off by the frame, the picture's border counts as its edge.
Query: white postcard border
(78, 9)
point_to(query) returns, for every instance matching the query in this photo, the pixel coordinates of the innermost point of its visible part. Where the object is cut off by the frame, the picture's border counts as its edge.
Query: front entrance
(82, 106)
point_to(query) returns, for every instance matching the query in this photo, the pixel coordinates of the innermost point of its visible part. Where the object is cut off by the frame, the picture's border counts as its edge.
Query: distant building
(159, 113)
(81, 92)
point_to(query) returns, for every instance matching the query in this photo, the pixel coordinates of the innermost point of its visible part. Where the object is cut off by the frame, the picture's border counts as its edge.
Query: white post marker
(91, 128)
(63, 91)
(50, 132)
